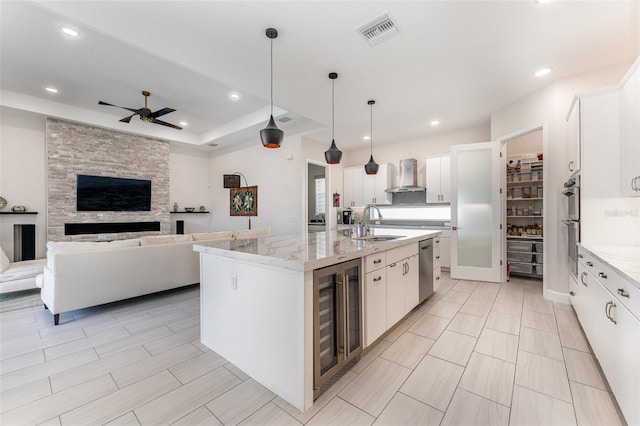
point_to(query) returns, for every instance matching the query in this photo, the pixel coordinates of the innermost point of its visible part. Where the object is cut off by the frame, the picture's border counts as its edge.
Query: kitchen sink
(379, 237)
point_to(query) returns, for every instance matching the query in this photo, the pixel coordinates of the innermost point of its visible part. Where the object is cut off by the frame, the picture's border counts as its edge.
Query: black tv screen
(105, 193)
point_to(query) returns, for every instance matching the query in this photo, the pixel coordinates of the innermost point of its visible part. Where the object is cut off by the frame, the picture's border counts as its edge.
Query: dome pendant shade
(333, 155)
(271, 136)
(371, 168)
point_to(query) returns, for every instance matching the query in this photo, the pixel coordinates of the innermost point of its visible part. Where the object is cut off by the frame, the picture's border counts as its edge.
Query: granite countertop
(624, 259)
(306, 252)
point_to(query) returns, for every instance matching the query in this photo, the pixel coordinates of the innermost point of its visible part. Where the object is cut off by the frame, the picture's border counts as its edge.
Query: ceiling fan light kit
(371, 168)
(271, 136)
(145, 113)
(333, 155)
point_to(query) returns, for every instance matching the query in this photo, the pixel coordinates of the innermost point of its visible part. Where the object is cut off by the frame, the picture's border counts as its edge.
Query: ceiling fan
(145, 113)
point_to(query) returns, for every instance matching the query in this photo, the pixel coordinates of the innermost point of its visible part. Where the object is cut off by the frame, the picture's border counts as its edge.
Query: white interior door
(475, 212)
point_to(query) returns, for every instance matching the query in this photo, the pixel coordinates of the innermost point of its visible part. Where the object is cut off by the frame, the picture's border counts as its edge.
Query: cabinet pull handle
(606, 310)
(602, 275)
(570, 166)
(572, 293)
(623, 293)
(375, 262)
(611, 305)
(437, 278)
(437, 241)
(375, 280)
(590, 264)
(437, 257)
(580, 255)
(582, 275)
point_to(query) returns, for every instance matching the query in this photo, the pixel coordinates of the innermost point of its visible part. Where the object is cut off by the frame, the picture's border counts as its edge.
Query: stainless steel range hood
(407, 177)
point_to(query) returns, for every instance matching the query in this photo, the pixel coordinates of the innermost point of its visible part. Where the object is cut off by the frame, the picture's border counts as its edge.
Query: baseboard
(556, 296)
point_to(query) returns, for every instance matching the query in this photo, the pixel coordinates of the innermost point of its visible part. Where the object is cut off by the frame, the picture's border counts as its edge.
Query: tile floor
(474, 354)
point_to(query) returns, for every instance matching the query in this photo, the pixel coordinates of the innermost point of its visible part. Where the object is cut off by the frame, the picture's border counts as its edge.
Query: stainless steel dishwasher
(425, 258)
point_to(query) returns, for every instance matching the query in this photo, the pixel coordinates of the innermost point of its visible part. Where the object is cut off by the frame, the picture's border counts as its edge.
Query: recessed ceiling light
(183, 123)
(234, 96)
(543, 1)
(434, 122)
(70, 32)
(366, 138)
(542, 72)
(51, 89)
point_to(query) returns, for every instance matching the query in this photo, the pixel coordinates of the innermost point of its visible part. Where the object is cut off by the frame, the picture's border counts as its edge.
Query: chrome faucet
(366, 217)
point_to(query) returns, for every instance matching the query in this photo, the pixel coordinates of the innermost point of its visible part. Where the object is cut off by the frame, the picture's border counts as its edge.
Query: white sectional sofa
(16, 276)
(83, 274)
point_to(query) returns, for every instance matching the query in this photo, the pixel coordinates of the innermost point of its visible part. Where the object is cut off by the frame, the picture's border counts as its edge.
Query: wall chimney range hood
(407, 177)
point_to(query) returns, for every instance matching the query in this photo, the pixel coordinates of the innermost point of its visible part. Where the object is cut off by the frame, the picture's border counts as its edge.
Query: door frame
(540, 126)
(328, 196)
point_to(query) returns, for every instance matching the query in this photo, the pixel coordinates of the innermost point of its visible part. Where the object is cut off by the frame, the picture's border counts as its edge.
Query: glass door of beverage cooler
(337, 319)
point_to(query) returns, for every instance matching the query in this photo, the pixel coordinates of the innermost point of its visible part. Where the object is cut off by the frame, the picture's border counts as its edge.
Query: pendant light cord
(333, 113)
(371, 130)
(272, 77)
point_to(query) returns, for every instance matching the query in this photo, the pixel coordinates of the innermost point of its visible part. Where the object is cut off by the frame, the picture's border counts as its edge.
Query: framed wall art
(243, 201)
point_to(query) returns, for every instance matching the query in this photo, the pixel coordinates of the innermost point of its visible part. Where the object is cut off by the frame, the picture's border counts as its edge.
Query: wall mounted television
(113, 194)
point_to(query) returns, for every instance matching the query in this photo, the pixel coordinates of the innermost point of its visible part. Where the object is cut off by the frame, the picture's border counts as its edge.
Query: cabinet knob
(602, 275)
(590, 264)
(437, 257)
(375, 262)
(377, 279)
(572, 293)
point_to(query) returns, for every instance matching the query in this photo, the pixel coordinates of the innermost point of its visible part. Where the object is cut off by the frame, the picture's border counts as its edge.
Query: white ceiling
(456, 61)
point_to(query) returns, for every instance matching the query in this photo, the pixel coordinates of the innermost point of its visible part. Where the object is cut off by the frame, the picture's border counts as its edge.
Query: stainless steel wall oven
(572, 193)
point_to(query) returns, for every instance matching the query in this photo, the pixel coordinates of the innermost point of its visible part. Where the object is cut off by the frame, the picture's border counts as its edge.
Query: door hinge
(500, 226)
(501, 190)
(501, 263)
(500, 154)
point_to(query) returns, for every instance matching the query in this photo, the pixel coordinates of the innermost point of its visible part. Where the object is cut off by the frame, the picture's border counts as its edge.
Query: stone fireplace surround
(74, 148)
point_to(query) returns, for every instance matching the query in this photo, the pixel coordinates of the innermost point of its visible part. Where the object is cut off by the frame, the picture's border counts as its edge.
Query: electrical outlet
(234, 282)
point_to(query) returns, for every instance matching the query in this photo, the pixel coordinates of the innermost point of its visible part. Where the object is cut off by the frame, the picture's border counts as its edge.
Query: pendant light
(271, 136)
(371, 167)
(333, 155)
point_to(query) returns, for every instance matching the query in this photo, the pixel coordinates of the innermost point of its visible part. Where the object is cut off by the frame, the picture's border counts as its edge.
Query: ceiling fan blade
(162, 112)
(164, 123)
(118, 106)
(127, 119)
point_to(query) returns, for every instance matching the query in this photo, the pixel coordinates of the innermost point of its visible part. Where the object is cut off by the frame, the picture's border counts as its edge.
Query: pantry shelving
(525, 215)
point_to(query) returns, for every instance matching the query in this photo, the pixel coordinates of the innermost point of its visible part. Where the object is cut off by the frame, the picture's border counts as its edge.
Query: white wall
(279, 175)
(550, 107)
(418, 149)
(22, 175)
(314, 151)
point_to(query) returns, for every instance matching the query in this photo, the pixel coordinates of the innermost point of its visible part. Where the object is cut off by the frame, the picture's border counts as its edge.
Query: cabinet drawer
(437, 258)
(624, 291)
(586, 259)
(437, 278)
(397, 254)
(521, 257)
(375, 261)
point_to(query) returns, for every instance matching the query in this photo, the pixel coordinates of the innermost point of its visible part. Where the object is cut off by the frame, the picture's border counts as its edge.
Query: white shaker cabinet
(606, 305)
(361, 189)
(438, 179)
(573, 142)
(630, 133)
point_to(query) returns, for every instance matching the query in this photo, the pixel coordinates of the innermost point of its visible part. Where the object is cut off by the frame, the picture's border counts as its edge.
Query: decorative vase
(175, 207)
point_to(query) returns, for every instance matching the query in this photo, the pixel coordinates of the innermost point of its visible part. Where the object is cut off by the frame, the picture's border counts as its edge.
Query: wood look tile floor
(474, 354)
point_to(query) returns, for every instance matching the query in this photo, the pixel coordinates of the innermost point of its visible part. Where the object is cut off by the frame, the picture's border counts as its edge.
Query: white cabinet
(438, 179)
(573, 142)
(603, 301)
(375, 299)
(630, 133)
(437, 262)
(361, 189)
(390, 290)
(374, 186)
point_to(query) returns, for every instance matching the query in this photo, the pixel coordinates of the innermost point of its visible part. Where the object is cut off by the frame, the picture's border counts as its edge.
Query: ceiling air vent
(380, 29)
(283, 119)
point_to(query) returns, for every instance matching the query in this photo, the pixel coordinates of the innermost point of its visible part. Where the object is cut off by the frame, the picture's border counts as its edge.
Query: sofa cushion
(21, 270)
(4, 261)
(252, 233)
(164, 239)
(202, 236)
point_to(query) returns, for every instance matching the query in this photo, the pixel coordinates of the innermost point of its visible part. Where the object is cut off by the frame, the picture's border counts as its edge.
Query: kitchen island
(257, 300)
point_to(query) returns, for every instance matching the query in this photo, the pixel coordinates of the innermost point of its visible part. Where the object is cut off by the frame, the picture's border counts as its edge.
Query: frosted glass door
(475, 212)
